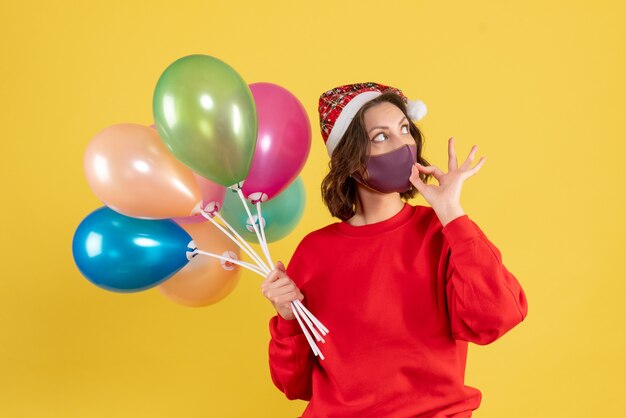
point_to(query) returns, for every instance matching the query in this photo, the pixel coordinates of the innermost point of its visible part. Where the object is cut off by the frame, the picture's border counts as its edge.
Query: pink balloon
(283, 142)
(212, 199)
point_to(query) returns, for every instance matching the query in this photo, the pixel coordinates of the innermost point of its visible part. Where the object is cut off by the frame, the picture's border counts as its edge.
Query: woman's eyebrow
(385, 127)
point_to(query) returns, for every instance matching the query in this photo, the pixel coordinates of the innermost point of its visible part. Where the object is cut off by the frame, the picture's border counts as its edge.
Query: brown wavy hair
(339, 189)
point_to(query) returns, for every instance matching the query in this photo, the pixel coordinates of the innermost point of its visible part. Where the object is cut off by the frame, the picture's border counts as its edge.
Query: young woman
(401, 288)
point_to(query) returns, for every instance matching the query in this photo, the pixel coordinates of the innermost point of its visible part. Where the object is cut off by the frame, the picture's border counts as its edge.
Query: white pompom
(416, 109)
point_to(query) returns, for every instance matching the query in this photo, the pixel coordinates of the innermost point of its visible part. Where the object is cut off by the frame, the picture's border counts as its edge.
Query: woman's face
(387, 129)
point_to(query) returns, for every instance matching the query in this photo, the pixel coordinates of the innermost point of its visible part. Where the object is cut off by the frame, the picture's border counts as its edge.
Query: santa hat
(337, 108)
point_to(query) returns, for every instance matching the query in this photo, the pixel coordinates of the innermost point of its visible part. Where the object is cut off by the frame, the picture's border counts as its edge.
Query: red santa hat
(337, 108)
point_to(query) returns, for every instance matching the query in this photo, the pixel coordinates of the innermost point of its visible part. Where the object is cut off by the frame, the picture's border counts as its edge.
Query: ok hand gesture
(445, 199)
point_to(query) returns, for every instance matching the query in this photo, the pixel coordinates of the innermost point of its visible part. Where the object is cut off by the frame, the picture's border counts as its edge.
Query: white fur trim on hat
(416, 109)
(345, 117)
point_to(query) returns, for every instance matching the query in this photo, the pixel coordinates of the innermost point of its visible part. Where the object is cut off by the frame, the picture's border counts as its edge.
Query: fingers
(475, 169)
(468, 161)
(415, 178)
(275, 274)
(278, 287)
(272, 287)
(282, 291)
(431, 169)
(271, 277)
(452, 161)
(282, 299)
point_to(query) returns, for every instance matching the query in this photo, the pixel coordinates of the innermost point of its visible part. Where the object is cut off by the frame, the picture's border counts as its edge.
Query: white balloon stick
(221, 228)
(230, 260)
(317, 336)
(320, 326)
(266, 249)
(312, 344)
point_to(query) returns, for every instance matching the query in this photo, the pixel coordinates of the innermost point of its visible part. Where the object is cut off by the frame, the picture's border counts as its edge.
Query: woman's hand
(445, 199)
(281, 291)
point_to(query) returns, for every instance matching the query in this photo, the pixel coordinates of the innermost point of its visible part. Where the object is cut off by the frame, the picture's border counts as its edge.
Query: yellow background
(539, 85)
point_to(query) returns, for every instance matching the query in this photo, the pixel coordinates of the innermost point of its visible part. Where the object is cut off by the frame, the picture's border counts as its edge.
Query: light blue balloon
(281, 213)
(124, 254)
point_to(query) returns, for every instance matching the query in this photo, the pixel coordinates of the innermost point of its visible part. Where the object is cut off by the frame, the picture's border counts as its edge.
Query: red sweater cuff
(460, 229)
(287, 328)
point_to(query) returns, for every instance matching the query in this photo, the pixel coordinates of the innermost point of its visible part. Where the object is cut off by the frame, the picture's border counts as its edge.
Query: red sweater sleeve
(290, 359)
(484, 299)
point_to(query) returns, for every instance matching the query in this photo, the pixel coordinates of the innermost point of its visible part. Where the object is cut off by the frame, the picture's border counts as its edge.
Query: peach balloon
(204, 280)
(131, 171)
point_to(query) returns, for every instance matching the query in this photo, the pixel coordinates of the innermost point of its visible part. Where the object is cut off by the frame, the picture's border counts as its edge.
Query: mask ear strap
(359, 179)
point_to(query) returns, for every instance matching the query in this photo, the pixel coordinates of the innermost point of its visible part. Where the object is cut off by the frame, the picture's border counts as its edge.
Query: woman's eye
(405, 129)
(380, 137)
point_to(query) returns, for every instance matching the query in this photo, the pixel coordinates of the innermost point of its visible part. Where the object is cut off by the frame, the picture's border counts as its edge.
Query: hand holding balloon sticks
(304, 317)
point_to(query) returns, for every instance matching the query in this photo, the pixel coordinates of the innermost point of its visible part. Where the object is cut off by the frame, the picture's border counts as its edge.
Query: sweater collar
(376, 228)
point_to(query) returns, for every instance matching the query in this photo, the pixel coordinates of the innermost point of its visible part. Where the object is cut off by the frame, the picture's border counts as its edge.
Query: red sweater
(401, 299)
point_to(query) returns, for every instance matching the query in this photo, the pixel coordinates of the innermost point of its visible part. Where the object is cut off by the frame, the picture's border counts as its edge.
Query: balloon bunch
(160, 184)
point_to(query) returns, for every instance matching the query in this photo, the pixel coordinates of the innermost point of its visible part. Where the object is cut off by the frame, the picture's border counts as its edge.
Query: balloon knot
(192, 250)
(257, 197)
(237, 186)
(211, 208)
(227, 265)
(255, 221)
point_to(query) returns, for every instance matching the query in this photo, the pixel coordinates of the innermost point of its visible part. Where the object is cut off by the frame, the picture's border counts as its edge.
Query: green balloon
(281, 214)
(205, 113)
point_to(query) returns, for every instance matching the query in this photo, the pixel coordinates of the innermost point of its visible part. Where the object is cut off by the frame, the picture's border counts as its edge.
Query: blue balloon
(124, 254)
